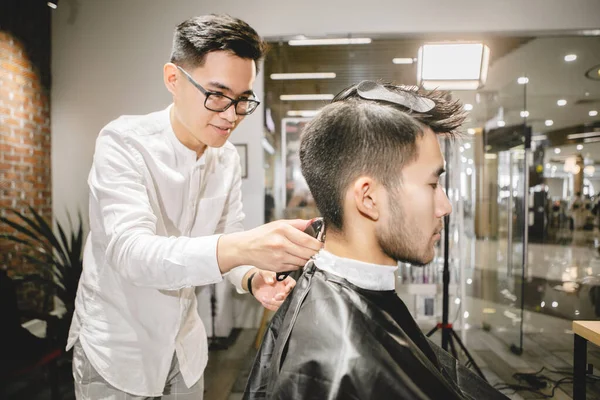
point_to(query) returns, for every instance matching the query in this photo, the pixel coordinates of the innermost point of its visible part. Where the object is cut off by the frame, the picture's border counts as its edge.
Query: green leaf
(46, 230)
(17, 239)
(63, 262)
(63, 239)
(21, 228)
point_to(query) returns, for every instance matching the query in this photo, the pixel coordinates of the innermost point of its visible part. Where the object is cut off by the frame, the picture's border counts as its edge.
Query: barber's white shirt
(155, 215)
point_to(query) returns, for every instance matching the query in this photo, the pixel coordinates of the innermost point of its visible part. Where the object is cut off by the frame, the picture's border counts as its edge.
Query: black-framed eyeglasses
(218, 102)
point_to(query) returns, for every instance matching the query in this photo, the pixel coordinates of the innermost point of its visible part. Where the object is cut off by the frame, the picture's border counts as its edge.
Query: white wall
(250, 131)
(107, 57)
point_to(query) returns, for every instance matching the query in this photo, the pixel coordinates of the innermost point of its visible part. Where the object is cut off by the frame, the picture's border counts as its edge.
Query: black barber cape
(333, 340)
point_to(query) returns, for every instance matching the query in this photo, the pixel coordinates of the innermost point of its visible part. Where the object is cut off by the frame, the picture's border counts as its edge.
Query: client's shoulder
(332, 301)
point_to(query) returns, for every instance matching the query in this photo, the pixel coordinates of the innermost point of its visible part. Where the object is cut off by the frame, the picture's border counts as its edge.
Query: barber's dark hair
(198, 36)
(354, 136)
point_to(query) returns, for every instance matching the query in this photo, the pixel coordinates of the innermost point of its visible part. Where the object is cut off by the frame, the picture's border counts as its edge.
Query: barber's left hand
(268, 291)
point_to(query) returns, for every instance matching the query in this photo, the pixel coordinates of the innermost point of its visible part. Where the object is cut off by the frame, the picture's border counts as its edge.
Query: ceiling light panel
(328, 42)
(303, 75)
(305, 97)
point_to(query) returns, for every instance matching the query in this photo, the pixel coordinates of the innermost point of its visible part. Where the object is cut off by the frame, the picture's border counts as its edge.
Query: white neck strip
(364, 275)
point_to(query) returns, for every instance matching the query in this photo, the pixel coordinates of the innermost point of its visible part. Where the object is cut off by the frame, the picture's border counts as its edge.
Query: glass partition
(295, 198)
(524, 256)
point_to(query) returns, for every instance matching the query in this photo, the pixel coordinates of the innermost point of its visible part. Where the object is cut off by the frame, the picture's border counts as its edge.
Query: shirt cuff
(202, 251)
(236, 275)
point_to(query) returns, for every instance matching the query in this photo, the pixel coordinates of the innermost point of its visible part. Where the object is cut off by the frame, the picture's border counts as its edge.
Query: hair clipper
(316, 229)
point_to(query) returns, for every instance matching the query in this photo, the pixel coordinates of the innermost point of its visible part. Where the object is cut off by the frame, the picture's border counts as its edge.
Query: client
(372, 161)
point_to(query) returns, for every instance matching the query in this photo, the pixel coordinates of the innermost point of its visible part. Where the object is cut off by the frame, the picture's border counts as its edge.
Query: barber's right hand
(278, 246)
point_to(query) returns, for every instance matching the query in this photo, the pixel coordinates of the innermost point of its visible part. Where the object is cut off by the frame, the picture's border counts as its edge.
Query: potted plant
(59, 256)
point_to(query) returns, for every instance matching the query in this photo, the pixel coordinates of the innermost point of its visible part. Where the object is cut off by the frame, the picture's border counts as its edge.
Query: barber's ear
(366, 197)
(170, 77)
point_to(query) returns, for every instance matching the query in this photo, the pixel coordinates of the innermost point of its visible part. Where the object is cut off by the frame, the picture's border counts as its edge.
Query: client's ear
(366, 195)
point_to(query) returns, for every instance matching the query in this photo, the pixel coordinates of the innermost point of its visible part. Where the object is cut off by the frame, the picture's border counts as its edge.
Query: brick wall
(25, 178)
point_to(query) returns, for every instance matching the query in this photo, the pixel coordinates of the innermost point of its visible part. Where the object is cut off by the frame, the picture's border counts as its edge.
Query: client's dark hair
(355, 136)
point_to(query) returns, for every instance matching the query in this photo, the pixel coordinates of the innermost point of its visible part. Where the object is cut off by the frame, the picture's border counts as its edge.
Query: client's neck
(357, 245)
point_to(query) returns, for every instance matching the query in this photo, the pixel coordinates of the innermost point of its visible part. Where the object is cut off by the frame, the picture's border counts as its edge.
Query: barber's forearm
(230, 252)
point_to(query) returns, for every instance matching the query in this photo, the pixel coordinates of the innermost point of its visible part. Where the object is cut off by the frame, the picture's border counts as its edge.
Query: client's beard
(398, 243)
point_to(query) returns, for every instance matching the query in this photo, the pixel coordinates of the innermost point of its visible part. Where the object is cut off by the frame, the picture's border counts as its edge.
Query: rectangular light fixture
(302, 113)
(305, 97)
(591, 140)
(450, 85)
(453, 66)
(303, 75)
(403, 61)
(583, 135)
(267, 146)
(328, 42)
(539, 138)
